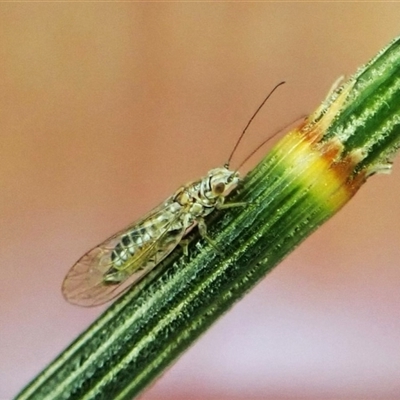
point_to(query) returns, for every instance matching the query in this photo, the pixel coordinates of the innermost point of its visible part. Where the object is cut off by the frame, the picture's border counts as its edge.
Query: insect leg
(221, 206)
(203, 233)
(184, 243)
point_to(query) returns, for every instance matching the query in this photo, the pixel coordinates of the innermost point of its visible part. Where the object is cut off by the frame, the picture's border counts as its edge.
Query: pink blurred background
(105, 109)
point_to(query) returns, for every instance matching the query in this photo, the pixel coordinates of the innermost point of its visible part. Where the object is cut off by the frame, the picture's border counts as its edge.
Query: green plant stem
(304, 180)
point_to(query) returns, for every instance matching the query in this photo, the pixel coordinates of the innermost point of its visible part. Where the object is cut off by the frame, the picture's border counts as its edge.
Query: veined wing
(96, 279)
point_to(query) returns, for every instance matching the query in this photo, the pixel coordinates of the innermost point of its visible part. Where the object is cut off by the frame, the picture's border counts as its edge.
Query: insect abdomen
(129, 245)
(145, 235)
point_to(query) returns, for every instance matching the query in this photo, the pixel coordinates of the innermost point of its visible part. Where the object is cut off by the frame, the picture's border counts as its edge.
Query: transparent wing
(85, 283)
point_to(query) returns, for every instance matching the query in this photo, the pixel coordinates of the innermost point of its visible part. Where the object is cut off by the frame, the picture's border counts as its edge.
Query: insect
(110, 268)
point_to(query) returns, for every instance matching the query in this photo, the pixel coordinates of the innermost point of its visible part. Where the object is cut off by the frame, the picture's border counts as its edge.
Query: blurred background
(107, 108)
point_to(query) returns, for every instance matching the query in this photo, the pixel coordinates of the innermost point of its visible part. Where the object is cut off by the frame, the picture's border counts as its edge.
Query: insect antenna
(267, 140)
(248, 124)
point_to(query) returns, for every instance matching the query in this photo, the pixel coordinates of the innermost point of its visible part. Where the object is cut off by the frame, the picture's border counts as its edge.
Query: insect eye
(219, 188)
